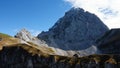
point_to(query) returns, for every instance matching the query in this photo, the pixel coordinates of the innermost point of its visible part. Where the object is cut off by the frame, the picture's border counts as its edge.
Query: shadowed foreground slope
(17, 57)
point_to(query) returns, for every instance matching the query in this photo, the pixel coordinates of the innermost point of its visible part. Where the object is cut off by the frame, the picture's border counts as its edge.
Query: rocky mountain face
(72, 34)
(26, 37)
(110, 42)
(76, 30)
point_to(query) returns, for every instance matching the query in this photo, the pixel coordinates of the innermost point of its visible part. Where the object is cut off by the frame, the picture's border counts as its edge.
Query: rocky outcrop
(110, 42)
(17, 57)
(25, 35)
(77, 30)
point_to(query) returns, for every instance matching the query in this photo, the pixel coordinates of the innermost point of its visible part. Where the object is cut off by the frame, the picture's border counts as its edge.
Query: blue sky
(35, 15)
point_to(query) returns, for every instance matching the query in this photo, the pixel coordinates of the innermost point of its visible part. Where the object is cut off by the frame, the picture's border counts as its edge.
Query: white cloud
(107, 10)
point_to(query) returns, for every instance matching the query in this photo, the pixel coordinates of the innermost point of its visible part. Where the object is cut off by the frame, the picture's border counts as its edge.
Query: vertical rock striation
(76, 30)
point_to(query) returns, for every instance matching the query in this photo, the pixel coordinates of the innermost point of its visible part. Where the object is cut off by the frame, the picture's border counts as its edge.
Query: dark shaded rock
(110, 42)
(0, 39)
(76, 30)
(17, 57)
(75, 55)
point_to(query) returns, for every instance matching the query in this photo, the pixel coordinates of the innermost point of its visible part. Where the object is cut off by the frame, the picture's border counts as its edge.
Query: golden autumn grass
(9, 41)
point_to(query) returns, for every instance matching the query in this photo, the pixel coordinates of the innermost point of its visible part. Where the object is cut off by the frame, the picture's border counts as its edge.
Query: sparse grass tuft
(43, 49)
(2, 35)
(6, 40)
(112, 61)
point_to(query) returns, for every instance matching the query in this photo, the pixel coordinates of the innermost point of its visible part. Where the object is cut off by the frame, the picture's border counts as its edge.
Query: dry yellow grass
(9, 41)
(112, 61)
(39, 50)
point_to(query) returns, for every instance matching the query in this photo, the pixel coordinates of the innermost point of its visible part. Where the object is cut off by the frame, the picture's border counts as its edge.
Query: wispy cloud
(107, 10)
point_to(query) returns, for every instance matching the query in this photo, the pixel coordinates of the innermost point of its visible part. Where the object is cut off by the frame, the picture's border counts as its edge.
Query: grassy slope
(8, 41)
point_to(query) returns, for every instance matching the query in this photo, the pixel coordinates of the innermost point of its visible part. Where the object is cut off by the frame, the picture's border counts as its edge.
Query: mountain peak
(75, 11)
(24, 34)
(24, 30)
(76, 30)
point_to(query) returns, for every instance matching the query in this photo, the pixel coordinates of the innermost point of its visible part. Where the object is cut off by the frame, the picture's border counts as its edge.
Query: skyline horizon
(35, 16)
(36, 32)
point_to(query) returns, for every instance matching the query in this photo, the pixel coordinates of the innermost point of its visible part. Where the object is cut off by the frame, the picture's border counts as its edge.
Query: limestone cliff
(74, 33)
(76, 30)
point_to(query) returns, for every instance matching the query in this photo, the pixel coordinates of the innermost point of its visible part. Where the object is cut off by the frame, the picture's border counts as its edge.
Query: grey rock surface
(74, 33)
(25, 35)
(76, 30)
(110, 42)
